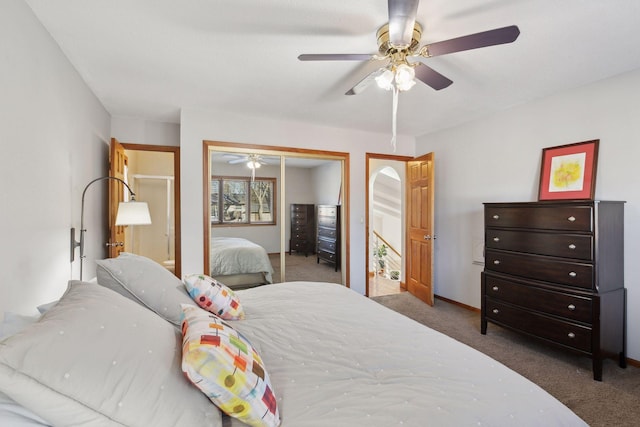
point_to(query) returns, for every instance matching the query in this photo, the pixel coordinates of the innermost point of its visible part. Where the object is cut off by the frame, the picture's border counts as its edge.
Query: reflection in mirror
(250, 198)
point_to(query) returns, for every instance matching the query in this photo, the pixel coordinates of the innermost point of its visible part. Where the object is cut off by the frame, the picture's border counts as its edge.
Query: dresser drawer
(559, 331)
(572, 307)
(569, 218)
(299, 245)
(558, 244)
(329, 233)
(300, 235)
(328, 256)
(542, 268)
(327, 221)
(327, 245)
(300, 217)
(299, 229)
(299, 221)
(328, 211)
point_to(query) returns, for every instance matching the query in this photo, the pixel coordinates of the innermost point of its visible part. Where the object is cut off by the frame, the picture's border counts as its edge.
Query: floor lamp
(129, 213)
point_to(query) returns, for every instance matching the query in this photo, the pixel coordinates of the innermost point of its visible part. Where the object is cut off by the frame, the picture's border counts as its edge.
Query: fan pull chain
(393, 118)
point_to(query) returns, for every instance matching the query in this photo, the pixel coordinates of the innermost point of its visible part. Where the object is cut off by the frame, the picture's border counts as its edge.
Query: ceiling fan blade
(402, 18)
(431, 77)
(335, 57)
(364, 83)
(236, 161)
(473, 41)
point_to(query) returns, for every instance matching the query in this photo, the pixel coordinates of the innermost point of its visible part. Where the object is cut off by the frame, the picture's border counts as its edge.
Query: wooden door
(117, 163)
(420, 196)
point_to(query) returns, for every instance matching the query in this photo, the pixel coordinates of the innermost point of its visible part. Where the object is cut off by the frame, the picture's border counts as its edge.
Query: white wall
(498, 159)
(326, 181)
(139, 131)
(198, 125)
(54, 135)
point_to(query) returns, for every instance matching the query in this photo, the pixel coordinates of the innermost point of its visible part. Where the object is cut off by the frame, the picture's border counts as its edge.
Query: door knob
(109, 244)
(427, 237)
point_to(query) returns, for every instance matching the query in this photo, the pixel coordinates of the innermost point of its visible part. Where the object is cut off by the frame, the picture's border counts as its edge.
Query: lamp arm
(74, 243)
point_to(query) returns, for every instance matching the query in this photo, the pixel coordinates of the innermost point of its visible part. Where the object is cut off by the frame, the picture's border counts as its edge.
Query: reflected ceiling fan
(402, 57)
(253, 161)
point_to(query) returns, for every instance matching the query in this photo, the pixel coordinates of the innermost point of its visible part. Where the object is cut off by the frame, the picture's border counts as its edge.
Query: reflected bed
(239, 263)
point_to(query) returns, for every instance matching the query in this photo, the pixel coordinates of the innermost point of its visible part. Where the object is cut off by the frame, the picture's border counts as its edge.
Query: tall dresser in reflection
(329, 234)
(554, 270)
(303, 229)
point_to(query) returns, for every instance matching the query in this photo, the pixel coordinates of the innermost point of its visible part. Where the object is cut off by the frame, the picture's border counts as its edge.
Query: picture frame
(568, 172)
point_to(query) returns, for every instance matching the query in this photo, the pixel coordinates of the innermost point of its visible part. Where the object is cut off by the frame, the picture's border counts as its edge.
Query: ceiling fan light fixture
(385, 80)
(253, 164)
(405, 77)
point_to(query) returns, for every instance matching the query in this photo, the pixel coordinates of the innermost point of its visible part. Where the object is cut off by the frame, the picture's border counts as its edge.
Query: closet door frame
(284, 153)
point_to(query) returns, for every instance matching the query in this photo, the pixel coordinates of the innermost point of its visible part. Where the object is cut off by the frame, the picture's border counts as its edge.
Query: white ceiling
(150, 58)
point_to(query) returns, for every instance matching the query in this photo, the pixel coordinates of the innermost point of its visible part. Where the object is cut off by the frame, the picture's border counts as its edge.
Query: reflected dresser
(329, 234)
(303, 229)
(554, 270)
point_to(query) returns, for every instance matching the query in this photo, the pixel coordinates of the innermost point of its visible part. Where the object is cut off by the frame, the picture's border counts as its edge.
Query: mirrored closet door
(271, 197)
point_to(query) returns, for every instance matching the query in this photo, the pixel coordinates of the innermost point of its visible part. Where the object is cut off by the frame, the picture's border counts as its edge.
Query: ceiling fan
(253, 161)
(399, 41)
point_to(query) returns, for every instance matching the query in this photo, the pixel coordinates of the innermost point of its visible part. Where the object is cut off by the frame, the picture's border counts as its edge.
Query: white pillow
(145, 282)
(14, 415)
(14, 323)
(98, 359)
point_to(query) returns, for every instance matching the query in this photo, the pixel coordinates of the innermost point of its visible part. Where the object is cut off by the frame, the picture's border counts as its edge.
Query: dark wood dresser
(554, 270)
(329, 234)
(303, 229)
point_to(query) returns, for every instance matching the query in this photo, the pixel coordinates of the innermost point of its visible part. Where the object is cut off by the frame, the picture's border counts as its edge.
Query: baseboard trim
(459, 304)
(633, 362)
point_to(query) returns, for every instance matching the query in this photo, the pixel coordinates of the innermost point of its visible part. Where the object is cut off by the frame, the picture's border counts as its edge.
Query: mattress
(340, 359)
(235, 255)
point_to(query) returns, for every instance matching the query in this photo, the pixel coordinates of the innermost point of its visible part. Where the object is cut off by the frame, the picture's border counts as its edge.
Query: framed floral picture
(569, 171)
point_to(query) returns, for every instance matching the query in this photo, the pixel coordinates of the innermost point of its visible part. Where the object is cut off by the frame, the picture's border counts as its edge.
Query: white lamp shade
(133, 213)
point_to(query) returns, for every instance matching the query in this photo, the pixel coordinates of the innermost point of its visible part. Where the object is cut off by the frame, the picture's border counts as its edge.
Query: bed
(333, 358)
(239, 263)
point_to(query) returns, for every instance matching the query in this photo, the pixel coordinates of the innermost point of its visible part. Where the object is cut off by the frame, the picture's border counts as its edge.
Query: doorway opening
(385, 224)
(153, 172)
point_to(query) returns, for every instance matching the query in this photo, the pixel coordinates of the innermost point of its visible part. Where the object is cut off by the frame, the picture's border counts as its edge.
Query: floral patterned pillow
(213, 296)
(227, 369)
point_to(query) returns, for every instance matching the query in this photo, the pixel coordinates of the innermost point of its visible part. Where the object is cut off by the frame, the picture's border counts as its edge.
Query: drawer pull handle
(573, 274)
(496, 311)
(571, 218)
(495, 288)
(496, 216)
(496, 261)
(571, 335)
(571, 307)
(496, 239)
(572, 246)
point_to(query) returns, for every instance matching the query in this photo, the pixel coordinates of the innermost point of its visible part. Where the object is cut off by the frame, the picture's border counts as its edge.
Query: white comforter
(336, 358)
(235, 255)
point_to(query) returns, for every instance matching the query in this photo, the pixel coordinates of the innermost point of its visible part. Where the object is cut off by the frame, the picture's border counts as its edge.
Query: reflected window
(241, 201)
